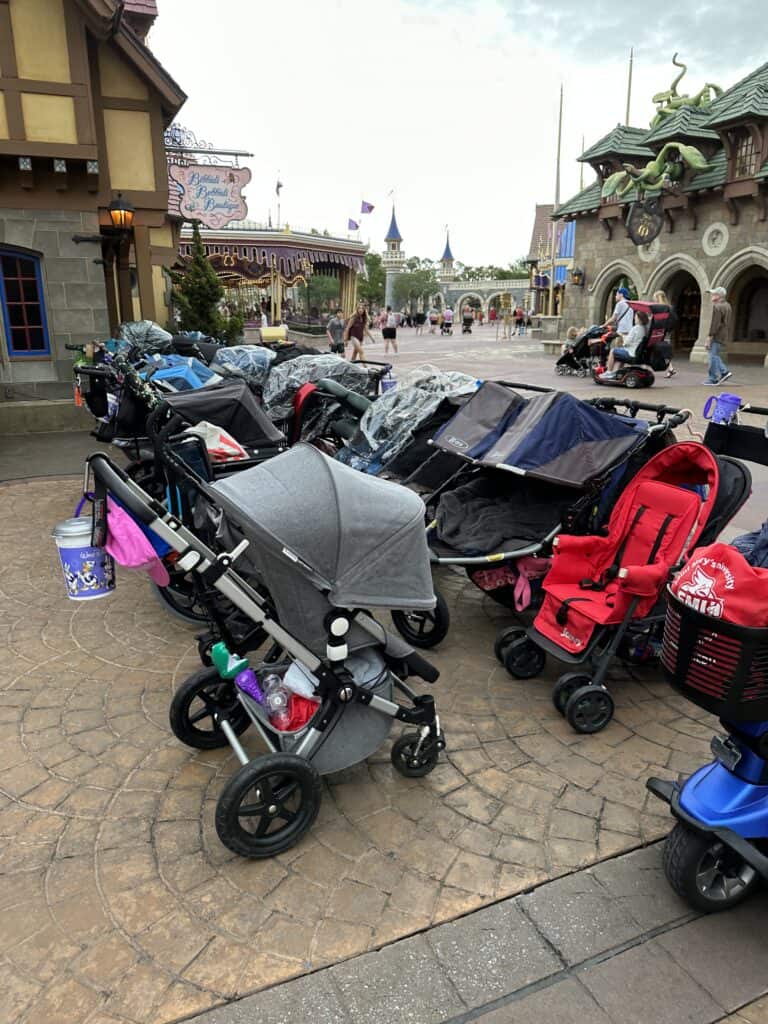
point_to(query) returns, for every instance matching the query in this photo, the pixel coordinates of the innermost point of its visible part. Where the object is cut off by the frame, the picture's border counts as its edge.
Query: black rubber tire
(403, 760)
(502, 641)
(632, 381)
(212, 693)
(589, 709)
(180, 600)
(687, 853)
(424, 629)
(523, 658)
(289, 778)
(566, 686)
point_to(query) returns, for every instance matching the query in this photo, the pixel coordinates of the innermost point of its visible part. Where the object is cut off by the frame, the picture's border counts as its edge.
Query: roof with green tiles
(621, 141)
(583, 202)
(687, 123)
(712, 178)
(748, 98)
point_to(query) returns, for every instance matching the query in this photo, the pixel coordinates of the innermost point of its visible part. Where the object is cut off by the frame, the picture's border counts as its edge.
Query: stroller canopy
(182, 373)
(231, 406)
(360, 538)
(285, 380)
(551, 436)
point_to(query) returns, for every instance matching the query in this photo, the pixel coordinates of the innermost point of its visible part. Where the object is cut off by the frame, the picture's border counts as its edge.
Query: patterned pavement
(118, 902)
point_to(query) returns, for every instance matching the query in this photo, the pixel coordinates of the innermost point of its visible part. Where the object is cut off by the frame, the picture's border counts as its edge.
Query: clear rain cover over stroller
(146, 336)
(286, 379)
(248, 362)
(323, 535)
(389, 425)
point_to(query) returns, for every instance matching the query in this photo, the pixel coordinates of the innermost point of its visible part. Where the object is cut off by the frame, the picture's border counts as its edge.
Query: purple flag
(366, 207)
(352, 225)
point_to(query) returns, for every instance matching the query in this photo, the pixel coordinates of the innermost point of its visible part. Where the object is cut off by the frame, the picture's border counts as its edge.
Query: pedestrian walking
(507, 319)
(718, 336)
(433, 318)
(389, 330)
(623, 317)
(660, 299)
(420, 319)
(448, 320)
(519, 321)
(355, 332)
(334, 330)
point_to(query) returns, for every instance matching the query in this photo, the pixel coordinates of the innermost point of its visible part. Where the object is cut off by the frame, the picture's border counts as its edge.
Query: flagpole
(629, 82)
(581, 173)
(557, 203)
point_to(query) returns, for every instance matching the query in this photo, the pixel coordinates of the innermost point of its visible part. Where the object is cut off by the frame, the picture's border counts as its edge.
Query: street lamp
(121, 213)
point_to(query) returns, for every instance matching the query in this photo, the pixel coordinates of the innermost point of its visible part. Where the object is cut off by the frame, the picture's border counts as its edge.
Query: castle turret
(393, 259)
(447, 273)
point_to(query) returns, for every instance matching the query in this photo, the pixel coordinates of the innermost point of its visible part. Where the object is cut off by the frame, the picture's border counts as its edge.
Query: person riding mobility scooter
(653, 352)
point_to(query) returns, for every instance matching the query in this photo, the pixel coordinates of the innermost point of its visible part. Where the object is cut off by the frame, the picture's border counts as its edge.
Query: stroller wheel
(268, 805)
(521, 657)
(566, 686)
(205, 643)
(408, 762)
(705, 872)
(197, 705)
(589, 709)
(181, 600)
(424, 628)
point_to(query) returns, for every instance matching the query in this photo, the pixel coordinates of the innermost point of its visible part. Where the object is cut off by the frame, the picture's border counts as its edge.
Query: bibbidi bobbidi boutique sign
(210, 194)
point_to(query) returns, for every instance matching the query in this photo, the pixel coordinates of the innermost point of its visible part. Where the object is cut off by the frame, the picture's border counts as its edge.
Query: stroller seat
(595, 580)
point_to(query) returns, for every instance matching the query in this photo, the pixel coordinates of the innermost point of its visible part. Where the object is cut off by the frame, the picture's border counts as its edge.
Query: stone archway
(745, 277)
(684, 281)
(606, 283)
(459, 304)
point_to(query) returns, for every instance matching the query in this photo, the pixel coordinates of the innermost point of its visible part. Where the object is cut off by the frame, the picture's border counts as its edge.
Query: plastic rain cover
(389, 425)
(285, 380)
(249, 362)
(146, 336)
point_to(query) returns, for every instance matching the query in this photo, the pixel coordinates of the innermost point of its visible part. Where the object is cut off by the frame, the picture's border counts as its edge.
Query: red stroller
(605, 594)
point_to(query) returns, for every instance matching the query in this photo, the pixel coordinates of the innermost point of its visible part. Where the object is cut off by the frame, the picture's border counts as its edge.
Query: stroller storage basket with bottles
(325, 541)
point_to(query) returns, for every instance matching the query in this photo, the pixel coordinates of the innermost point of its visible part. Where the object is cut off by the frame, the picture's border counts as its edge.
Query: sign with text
(211, 194)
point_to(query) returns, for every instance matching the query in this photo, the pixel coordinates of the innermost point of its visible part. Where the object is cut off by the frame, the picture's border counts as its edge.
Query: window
(21, 298)
(745, 163)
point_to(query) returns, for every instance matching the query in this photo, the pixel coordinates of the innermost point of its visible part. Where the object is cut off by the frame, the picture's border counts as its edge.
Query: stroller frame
(336, 687)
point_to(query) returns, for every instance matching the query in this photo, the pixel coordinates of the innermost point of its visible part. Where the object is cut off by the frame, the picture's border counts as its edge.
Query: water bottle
(276, 698)
(248, 683)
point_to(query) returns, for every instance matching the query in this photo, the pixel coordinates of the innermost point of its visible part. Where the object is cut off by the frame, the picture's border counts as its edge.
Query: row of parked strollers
(588, 520)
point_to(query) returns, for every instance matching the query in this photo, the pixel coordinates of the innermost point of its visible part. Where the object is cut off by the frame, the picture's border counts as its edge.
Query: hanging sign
(645, 220)
(209, 193)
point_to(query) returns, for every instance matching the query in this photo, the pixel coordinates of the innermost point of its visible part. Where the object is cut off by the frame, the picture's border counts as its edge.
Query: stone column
(698, 353)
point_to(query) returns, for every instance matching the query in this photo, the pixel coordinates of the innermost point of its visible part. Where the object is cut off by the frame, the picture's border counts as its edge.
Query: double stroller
(604, 594)
(305, 544)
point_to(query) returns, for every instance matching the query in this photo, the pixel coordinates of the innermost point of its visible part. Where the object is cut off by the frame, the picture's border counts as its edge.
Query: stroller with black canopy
(365, 548)
(586, 353)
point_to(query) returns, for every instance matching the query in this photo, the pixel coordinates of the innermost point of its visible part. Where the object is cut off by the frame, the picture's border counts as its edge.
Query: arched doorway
(749, 299)
(684, 296)
(609, 296)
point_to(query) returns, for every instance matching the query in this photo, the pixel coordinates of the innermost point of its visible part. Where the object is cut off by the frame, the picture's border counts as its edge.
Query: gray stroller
(315, 543)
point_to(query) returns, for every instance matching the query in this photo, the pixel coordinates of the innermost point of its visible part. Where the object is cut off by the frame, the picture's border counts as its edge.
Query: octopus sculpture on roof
(664, 172)
(669, 102)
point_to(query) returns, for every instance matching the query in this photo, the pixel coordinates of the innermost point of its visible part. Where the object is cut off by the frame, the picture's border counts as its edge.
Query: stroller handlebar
(118, 483)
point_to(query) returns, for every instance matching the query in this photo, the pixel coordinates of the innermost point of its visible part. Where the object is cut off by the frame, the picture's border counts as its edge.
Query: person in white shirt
(626, 352)
(622, 317)
(389, 330)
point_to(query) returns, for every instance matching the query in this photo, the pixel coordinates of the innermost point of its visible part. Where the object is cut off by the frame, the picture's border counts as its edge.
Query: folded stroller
(604, 595)
(587, 352)
(326, 541)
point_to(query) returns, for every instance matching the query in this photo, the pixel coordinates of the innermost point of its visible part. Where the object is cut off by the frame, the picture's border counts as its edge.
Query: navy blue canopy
(552, 436)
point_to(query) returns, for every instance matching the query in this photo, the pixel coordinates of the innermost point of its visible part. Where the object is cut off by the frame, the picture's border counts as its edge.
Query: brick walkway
(119, 904)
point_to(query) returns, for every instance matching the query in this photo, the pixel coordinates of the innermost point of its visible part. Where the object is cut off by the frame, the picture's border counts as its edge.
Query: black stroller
(467, 320)
(365, 548)
(586, 352)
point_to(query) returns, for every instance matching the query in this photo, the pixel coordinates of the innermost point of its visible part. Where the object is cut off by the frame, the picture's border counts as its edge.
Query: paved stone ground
(120, 905)
(606, 945)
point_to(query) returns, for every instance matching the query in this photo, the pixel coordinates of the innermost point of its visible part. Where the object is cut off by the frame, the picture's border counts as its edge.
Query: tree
(416, 285)
(370, 285)
(322, 291)
(198, 293)
(490, 272)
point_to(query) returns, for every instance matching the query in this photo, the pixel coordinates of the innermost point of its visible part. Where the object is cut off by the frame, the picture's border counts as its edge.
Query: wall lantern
(121, 213)
(578, 277)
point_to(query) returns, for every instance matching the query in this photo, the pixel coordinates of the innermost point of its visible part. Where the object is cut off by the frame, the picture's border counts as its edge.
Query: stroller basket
(717, 665)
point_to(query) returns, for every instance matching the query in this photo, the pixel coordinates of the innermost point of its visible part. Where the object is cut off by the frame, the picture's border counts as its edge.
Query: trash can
(89, 572)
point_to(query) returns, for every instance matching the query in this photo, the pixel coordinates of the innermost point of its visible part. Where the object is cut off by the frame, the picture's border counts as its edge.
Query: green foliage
(370, 286)
(414, 285)
(490, 272)
(197, 294)
(322, 292)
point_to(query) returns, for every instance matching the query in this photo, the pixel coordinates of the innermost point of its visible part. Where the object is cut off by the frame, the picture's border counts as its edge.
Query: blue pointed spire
(447, 254)
(393, 235)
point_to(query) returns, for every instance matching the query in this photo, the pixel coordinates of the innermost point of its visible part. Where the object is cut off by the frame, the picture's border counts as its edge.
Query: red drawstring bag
(719, 582)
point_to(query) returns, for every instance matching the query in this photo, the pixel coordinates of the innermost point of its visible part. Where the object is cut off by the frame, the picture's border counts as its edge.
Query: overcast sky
(450, 103)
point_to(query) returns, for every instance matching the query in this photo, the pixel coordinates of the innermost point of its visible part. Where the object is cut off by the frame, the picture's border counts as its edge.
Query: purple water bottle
(248, 683)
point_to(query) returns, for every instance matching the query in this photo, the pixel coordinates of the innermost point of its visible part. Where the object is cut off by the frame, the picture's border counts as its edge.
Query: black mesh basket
(717, 665)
